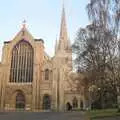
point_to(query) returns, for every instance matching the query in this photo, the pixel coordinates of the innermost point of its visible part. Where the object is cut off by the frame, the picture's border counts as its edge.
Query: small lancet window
(46, 74)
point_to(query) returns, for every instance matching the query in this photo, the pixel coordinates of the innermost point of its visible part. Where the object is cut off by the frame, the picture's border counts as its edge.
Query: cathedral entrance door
(46, 102)
(20, 101)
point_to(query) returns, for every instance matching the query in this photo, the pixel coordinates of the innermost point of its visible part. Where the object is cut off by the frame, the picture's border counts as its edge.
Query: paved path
(42, 116)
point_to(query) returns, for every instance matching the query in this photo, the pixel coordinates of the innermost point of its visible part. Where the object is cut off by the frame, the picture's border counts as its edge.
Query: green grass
(93, 114)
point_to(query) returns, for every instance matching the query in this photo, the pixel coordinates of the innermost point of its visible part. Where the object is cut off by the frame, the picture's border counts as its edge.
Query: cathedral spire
(63, 40)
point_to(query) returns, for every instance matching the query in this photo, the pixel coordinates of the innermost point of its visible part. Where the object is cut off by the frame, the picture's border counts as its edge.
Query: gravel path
(42, 116)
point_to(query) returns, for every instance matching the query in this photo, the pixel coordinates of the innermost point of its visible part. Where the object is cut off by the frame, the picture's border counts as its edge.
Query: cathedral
(32, 80)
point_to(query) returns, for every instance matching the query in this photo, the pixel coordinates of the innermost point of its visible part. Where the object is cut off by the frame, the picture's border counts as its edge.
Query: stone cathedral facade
(31, 80)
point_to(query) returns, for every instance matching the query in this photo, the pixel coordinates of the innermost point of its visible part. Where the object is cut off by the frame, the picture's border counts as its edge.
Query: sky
(43, 19)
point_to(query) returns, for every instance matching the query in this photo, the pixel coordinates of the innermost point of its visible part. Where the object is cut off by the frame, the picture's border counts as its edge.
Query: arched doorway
(68, 106)
(20, 101)
(46, 102)
(81, 105)
(75, 102)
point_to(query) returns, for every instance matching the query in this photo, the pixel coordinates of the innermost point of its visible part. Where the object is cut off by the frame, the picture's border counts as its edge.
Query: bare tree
(96, 48)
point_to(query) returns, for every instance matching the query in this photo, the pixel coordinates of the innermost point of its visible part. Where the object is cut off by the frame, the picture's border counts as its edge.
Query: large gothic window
(22, 63)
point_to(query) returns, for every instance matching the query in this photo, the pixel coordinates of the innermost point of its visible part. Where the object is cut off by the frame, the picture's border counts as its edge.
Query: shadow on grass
(103, 113)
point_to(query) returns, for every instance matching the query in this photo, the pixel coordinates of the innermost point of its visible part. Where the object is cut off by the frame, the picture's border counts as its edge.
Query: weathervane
(24, 23)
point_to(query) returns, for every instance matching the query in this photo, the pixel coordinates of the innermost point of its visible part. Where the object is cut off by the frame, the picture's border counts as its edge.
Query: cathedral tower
(62, 62)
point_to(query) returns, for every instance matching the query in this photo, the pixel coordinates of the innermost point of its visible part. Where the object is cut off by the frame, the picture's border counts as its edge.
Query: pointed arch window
(47, 74)
(22, 63)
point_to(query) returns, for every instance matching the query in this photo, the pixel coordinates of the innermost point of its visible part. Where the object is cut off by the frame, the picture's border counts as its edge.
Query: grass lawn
(94, 114)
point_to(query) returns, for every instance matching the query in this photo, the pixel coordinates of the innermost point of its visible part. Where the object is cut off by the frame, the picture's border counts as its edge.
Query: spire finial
(63, 4)
(63, 7)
